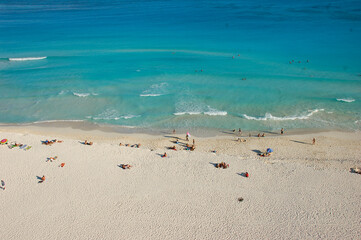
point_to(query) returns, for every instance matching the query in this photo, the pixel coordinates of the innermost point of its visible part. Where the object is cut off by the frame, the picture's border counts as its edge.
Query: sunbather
(125, 166)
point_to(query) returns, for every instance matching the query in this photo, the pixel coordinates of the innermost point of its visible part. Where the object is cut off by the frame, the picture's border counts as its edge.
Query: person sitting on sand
(62, 165)
(120, 144)
(262, 135)
(282, 130)
(192, 148)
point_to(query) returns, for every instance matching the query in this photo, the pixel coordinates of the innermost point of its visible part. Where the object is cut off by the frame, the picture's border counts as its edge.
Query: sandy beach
(302, 191)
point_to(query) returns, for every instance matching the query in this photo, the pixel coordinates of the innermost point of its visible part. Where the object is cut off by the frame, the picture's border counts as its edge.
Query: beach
(301, 191)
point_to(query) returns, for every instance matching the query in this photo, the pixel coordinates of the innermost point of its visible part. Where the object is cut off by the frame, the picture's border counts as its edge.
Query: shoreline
(109, 129)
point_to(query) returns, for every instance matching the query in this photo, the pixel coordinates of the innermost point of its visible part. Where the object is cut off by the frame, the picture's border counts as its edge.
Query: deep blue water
(181, 63)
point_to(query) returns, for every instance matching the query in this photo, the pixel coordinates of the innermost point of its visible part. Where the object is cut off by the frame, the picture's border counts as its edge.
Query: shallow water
(180, 64)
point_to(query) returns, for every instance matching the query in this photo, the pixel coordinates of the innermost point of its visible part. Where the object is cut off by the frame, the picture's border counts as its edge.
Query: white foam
(345, 100)
(216, 113)
(26, 59)
(269, 116)
(150, 95)
(189, 113)
(81, 94)
(155, 90)
(54, 121)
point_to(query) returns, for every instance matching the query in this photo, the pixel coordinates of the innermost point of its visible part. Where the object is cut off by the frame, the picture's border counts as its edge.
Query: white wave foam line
(189, 113)
(54, 121)
(27, 59)
(150, 95)
(114, 118)
(269, 116)
(349, 100)
(216, 113)
(219, 113)
(81, 94)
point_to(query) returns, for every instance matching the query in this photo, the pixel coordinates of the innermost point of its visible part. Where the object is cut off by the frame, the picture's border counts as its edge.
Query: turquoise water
(180, 64)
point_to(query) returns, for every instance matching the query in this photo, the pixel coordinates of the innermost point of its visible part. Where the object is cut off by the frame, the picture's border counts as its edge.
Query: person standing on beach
(187, 139)
(194, 142)
(313, 141)
(173, 131)
(240, 131)
(282, 130)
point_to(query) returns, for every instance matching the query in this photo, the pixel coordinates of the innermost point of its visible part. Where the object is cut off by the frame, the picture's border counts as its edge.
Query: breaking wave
(345, 100)
(150, 95)
(27, 59)
(269, 116)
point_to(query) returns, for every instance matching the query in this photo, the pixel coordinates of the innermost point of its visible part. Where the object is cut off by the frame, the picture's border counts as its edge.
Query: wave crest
(349, 100)
(269, 116)
(27, 59)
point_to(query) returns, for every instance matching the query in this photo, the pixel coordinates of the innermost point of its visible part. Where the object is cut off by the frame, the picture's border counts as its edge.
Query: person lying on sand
(42, 179)
(125, 166)
(356, 170)
(173, 148)
(222, 165)
(62, 165)
(51, 159)
(88, 143)
(265, 154)
(164, 155)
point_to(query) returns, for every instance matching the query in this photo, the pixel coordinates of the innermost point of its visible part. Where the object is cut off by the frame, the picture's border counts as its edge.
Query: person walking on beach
(282, 130)
(194, 142)
(173, 131)
(313, 141)
(240, 131)
(2, 185)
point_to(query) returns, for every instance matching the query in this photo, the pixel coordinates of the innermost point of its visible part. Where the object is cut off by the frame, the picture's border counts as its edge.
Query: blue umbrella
(269, 150)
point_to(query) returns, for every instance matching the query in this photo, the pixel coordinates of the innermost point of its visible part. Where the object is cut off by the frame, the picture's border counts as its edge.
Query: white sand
(301, 192)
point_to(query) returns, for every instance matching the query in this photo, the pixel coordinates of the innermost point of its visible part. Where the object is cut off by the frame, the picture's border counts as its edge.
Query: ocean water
(182, 64)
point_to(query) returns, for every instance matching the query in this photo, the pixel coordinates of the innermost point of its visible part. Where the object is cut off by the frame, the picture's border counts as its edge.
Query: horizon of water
(182, 64)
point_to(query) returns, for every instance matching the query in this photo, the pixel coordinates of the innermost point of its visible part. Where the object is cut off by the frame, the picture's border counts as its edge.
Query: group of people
(127, 145)
(51, 159)
(222, 165)
(47, 142)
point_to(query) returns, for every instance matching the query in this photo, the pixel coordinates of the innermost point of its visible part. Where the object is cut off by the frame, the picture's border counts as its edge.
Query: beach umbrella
(269, 150)
(188, 134)
(4, 141)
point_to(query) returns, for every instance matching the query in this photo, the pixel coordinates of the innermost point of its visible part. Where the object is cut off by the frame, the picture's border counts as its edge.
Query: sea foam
(27, 59)
(349, 100)
(269, 116)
